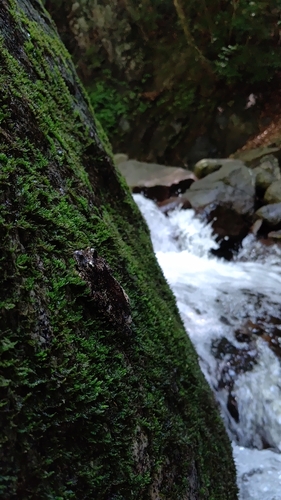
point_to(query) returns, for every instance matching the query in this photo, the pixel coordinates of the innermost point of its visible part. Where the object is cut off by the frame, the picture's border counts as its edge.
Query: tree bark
(101, 393)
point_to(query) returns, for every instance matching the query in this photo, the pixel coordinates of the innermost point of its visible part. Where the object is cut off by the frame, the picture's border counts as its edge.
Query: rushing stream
(232, 314)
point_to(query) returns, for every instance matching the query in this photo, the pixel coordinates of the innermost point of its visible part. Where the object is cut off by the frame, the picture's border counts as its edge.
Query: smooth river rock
(170, 204)
(232, 186)
(253, 157)
(120, 158)
(157, 182)
(271, 214)
(267, 172)
(263, 179)
(209, 165)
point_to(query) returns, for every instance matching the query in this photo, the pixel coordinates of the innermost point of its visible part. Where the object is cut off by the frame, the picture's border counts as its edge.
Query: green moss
(75, 389)
(114, 100)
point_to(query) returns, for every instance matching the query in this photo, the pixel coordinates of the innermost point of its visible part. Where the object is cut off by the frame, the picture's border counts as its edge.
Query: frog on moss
(108, 295)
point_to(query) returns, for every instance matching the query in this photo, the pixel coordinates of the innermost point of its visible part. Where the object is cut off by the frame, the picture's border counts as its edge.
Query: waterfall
(231, 312)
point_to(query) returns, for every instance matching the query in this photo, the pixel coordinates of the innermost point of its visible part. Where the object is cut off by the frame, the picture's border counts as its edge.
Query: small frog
(108, 295)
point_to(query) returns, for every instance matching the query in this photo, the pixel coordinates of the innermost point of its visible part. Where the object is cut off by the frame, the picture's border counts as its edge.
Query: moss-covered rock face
(171, 79)
(87, 410)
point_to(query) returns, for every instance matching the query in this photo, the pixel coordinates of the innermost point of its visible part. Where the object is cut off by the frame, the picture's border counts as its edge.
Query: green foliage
(181, 99)
(110, 103)
(236, 39)
(191, 54)
(240, 38)
(113, 100)
(219, 44)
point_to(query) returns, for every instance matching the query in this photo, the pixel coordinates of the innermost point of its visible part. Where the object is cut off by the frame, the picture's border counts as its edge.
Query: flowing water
(232, 314)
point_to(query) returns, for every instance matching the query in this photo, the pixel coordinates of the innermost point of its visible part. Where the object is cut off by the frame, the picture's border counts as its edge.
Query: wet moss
(74, 389)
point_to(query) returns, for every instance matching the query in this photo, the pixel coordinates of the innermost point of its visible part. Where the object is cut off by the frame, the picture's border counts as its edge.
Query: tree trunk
(101, 393)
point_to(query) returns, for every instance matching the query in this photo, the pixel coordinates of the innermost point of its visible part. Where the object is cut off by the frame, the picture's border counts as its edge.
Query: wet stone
(170, 204)
(268, 328)
(234, 360)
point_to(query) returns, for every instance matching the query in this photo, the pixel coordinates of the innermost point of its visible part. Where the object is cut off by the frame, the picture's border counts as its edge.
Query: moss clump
(86, 411)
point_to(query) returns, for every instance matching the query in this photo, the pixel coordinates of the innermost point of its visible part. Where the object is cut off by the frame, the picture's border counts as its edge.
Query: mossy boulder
(89, 408)
(273, 193)
(263, 179)
(207, 166)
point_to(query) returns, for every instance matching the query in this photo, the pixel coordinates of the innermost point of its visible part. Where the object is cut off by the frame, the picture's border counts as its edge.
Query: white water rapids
(216, 299)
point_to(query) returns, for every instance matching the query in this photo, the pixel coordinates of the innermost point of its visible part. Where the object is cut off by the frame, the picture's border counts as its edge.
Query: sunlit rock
(209, 165)
(273, 193)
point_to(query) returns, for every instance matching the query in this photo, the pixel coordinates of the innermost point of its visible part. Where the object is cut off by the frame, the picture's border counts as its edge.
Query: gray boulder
(271, 164)
(120, 158)
(271, 214)
(267, 172)
(253, 157)
(263, 178)
(209, 165)
(233, 186)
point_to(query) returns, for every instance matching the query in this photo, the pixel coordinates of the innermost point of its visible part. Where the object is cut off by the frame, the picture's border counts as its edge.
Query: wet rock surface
(276, 235)
(170, 204)
(266, 173)
(267, 327)
(156, 182)
(230, 228)
(209, 165)
(270, 214)
(273, 193)
(253, 157)
(232, 186)
(235, 197)
(234, 360)
(263, 179)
